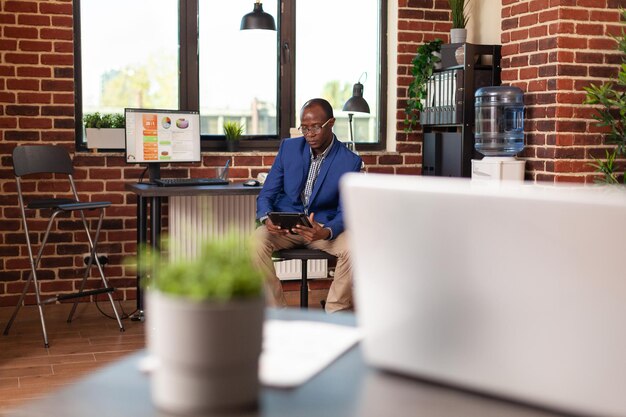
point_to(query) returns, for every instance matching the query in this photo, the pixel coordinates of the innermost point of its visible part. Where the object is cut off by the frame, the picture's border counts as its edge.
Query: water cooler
(499, 133)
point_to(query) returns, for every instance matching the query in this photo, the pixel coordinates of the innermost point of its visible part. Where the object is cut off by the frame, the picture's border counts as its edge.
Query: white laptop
(512, 290)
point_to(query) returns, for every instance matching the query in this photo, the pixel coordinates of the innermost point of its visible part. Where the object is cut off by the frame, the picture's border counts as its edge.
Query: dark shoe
(323, 303)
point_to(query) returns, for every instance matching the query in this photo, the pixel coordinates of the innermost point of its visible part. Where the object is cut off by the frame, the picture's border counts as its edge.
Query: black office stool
(54, 161)
(304, 255)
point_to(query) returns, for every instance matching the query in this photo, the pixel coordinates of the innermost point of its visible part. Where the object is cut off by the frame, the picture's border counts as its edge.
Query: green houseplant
(104, 121)
(205, 321)
(104, 131)
(233, 132)
(460, 16)
(424, 63)
(460, 13)
(611, 114)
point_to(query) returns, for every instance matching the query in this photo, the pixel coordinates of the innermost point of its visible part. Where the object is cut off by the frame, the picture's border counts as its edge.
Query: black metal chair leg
(304, 285)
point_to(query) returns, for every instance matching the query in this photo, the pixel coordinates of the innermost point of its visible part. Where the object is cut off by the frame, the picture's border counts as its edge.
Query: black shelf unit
(448, 116)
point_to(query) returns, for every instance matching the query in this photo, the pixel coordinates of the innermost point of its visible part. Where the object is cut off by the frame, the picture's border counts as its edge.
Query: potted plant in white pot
(205, 325)
(104, 131)
(233, 132)
(460, 16)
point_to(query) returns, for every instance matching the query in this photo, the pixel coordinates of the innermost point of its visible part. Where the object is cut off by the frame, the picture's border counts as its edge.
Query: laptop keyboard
(181, 182)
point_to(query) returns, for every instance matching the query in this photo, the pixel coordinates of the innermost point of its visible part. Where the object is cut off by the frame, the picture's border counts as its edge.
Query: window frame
(286, 52)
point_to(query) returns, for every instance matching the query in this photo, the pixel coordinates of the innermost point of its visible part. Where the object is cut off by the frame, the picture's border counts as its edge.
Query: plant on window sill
(104, 131)
(233, 132)
(104, 121)
(423, 67)
(611, 97)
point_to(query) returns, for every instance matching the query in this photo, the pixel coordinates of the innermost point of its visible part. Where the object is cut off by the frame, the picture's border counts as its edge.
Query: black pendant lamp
(258, 19)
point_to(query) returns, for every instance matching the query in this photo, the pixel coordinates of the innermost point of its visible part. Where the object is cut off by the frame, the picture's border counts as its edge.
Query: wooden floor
(29, 371)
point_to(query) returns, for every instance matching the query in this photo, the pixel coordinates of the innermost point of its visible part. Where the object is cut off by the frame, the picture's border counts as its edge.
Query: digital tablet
(288, 220)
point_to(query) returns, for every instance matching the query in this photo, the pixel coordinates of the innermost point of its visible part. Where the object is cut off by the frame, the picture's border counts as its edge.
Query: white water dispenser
(499, 133)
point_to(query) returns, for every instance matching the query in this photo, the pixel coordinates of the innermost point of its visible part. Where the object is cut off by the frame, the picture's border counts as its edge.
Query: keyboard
(182, 182)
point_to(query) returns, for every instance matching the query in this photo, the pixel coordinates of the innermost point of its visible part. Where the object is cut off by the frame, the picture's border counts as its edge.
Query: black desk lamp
(356, 104)
(258, 19)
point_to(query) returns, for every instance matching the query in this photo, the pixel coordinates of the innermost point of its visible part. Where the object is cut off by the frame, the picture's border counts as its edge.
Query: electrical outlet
(103, 258)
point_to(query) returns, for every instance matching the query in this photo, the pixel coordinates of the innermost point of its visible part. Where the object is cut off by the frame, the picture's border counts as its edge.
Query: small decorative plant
(423, 67)
(460, 13)
(205, 320)
(104, 121)
(233, 131)
(223, 271)
(611, 97)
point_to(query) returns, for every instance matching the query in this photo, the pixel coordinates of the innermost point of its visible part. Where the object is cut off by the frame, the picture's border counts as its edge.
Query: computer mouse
(251, 183)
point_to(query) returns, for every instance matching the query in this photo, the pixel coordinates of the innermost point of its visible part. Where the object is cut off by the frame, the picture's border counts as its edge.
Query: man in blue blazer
(305, 178)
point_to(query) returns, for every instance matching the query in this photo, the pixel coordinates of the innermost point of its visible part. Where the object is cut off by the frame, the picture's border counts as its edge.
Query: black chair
(304, 255)
(55, 160)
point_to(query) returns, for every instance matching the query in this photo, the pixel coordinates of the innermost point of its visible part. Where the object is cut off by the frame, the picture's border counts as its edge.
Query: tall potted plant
(233, 132)
(611, 99)
(205, 321)
(460, 16)
(104, 131)
(424, 64)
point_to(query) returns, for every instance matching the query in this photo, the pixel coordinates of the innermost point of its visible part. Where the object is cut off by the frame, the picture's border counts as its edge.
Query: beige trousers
(340, 293)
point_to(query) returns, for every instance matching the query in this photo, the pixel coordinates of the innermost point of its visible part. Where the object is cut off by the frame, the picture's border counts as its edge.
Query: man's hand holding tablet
(288, 220)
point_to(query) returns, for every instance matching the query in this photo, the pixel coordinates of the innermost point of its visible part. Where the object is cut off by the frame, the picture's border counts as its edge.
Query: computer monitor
(156, 137)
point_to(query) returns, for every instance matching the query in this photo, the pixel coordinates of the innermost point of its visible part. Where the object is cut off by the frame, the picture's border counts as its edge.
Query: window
(190, 54)
(333, 55)
(134, 65)
(238, 70)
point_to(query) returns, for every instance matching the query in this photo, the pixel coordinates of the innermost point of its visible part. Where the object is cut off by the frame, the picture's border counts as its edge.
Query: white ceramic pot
(111, 138)
(206, 353)
(458, 35)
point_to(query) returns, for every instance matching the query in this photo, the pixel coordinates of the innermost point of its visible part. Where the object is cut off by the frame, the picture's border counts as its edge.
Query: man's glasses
(314, 130)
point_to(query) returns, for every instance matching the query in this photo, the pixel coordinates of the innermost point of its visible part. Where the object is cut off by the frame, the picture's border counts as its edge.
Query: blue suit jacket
(286, 180)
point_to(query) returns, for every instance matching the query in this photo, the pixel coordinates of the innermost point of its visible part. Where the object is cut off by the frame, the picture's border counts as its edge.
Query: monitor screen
(162, 136)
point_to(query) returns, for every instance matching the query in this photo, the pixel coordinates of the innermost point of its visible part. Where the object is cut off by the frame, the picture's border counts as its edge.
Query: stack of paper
(294, 351)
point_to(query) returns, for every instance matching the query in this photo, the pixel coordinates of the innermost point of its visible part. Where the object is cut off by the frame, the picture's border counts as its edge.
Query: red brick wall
(419, 21)
(551, 50)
